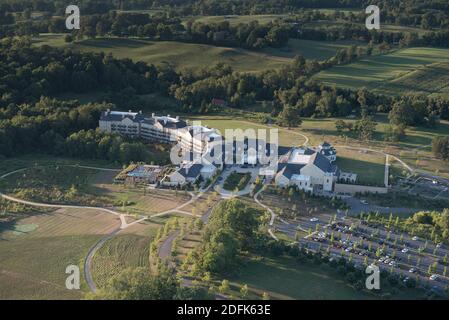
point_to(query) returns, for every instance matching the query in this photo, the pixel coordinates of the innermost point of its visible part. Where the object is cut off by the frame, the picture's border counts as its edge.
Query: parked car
(405, 250)
(412, 270)
(415, 238)
(314, 220)
(364, 202)
(434, 277)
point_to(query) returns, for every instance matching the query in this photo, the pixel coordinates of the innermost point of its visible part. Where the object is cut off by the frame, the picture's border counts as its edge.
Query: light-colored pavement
(273, 215)
(227, 194)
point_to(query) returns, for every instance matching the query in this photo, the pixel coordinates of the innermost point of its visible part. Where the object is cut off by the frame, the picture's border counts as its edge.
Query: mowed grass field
(369, 166)
(36, 250)
(236, 19)
(287, 137)
(283, 278)
(309, 49)
(180, 54)
(177, 54)
(129, 248)
(407, 70)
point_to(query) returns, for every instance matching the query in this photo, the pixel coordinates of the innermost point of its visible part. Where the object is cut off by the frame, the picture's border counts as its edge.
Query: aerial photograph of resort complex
(231, 150)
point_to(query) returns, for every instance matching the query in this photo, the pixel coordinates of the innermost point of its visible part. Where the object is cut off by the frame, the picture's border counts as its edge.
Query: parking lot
(365, 244)
(430, 188)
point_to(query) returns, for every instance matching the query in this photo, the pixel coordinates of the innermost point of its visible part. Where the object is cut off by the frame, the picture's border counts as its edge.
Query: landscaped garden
(237, 181)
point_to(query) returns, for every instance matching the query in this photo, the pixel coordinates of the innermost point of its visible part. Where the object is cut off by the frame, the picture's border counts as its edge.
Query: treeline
(27, 73)
(431, 225)
(140, 284)
(440, 147)
(65, 129)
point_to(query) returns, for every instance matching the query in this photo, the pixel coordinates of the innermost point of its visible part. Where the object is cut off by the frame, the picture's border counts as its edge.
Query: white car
(405, 250)
(387, 261)
(415, 238)
(392, 263)
(412, 270)
(381, 260)
(439, 245)
(433, 277)
(364, 202)
(314, 220)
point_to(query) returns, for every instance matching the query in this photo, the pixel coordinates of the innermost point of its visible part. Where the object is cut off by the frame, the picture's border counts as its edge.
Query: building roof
(120, 115)
(290, 169)
(191, 171)
(165, 121)
(170, 123)
(321, 162)
(328, 152)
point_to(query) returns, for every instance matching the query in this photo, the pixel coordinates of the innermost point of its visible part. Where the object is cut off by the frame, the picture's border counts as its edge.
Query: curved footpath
(99, 244)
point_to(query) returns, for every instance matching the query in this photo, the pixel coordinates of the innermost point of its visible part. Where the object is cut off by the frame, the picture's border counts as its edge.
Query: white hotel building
(163, 129)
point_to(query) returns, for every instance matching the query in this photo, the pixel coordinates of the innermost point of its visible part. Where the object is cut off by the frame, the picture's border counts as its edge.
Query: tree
(289, 117)
(340, 125)
(244, 291)
(440, 147)
(365, 127)
(68, 38)
(139, 284)
(224, 287)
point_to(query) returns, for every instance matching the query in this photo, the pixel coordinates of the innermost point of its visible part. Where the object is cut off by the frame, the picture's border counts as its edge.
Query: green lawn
(310, 49)
(283, 278)
(369, 171)
(181, 54)
(35, 250)
(406, 70)
(129, 248)
(178, 54)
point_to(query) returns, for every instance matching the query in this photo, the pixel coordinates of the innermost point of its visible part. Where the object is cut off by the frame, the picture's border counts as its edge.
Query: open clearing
(37, 249)
(408, 70)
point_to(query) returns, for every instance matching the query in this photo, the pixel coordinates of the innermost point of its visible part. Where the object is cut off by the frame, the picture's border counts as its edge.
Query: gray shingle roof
(191, 172)
(119, 116)
(321, 162)
(289, 169)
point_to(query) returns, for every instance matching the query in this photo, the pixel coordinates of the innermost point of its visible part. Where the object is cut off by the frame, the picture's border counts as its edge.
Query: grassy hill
(180, 54)
(411, 69)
